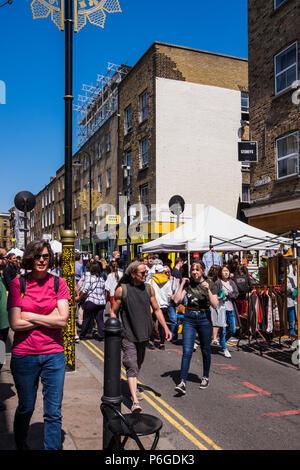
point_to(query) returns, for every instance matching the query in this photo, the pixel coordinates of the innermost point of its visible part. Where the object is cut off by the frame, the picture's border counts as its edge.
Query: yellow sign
(93, 10)
(112, 219)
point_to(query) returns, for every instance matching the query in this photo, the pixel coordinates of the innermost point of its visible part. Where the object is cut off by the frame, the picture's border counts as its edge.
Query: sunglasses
(38, 257)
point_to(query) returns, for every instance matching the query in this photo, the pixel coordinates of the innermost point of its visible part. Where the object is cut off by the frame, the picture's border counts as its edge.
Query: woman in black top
(198, 294)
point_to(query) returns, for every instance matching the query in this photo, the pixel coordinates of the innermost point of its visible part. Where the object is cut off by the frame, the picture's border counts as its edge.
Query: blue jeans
(26, 370)
(196, 322)
(292, 318)
(173, 320)
(227, 332)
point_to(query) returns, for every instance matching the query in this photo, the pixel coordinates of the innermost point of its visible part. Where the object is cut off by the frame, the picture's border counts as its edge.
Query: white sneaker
(227, 353)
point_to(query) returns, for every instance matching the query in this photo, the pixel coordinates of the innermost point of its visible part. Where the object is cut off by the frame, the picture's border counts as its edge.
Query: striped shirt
(94, 286)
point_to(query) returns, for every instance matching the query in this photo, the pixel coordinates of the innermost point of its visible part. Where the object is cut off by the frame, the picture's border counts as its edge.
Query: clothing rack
(276, 334)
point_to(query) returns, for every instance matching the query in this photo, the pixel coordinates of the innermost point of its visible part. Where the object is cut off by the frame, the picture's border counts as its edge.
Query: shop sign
(112, 219)
(247, 151)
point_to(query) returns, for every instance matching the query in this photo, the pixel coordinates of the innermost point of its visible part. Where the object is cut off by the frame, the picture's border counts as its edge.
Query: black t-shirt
(176, 273)
(135, 314)
(197, 296)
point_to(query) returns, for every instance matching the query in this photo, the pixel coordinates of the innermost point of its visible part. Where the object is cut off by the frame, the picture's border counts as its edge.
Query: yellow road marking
(167, 406)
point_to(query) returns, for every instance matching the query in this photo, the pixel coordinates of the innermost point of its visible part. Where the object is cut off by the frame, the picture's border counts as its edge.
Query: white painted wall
(196, 146)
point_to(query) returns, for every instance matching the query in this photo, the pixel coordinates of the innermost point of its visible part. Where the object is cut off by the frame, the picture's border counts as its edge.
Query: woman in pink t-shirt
(37, 317)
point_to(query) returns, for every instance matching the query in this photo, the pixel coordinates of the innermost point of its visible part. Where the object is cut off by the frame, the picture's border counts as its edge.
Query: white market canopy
(213, 226)
(56, 246)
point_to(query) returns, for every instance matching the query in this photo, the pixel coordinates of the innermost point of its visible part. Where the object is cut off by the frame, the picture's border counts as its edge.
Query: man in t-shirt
(176, 270)
(136, 299)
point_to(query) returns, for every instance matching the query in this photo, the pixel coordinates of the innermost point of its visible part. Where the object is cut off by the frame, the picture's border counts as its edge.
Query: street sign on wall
(247, 151)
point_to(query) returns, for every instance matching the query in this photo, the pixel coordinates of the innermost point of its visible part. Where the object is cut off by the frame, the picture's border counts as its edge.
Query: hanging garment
(269, 316)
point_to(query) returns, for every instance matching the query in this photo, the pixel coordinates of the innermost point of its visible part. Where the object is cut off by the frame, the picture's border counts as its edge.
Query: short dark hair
(35, 248)
(95, 269)
(77, 256)
(178, 260)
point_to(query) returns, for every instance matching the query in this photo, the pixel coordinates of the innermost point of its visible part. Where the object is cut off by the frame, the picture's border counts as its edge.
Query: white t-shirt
(164, 292)
(111, 282)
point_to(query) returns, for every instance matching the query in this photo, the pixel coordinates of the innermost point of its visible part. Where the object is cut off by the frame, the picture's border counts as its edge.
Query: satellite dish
(24, 201)
(176, 205)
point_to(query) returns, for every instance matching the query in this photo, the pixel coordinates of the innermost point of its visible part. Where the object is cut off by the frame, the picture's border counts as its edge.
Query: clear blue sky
(32, 66)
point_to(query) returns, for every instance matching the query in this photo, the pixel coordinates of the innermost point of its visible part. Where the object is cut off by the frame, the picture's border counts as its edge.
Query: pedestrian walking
(135, 298)
(112, 281)
(94, 303)
(176, 271)
(232, 319)
(165, 289)
(217, 321)
(292, 302)
(198, 294)
(38, 311)
(11, 270)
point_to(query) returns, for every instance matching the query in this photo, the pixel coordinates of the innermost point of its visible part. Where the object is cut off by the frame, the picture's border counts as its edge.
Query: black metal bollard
(112, 376)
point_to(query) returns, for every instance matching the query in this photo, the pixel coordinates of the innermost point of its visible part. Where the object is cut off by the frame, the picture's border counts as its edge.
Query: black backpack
(22, 280)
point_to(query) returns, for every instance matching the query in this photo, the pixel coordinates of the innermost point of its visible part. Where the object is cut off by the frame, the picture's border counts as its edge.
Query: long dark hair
(35, 248)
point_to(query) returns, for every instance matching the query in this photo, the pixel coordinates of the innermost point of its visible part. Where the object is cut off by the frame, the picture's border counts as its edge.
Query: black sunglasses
(38, 257)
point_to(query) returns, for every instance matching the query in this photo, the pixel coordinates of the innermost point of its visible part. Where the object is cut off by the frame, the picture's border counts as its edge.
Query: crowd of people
(147, 295)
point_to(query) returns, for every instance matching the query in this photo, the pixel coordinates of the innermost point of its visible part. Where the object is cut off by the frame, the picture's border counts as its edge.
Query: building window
(5, 233)
(287, 153)
(245, 193)
(144, 197)
(108, 143)
(286, 68)
(245, 102)
(108, 178)
(144, 152)
(85, 164)
(52, 215)
(75, 201)
(277, 3)
(84, 223)
(143, 106)
(128, 162)
(128, 119)
(53, 195)
(99, 150)
(58, 188)
(100, 183)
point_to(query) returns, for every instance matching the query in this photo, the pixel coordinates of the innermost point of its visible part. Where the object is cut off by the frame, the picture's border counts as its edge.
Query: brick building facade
(5, 232)
(274, 37)
(139, 130)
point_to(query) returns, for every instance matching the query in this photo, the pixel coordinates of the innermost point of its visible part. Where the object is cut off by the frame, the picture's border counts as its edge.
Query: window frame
(142, 153)
(144, 109)
(108, 179)
(277, 6)
(144, 186)
(128, 127)
(276, 75)
(291, 155)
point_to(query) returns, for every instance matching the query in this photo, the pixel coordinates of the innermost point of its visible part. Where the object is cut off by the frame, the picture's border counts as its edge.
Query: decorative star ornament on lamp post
(93, 10)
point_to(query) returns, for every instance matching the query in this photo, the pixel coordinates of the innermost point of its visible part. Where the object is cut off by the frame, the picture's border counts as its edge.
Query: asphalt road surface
(252, 403)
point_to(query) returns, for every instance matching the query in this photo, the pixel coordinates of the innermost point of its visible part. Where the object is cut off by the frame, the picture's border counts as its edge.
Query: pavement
(82, 418)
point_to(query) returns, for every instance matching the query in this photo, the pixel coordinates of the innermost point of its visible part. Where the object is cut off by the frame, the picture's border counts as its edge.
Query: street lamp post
(78, 164)
(127, 169)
